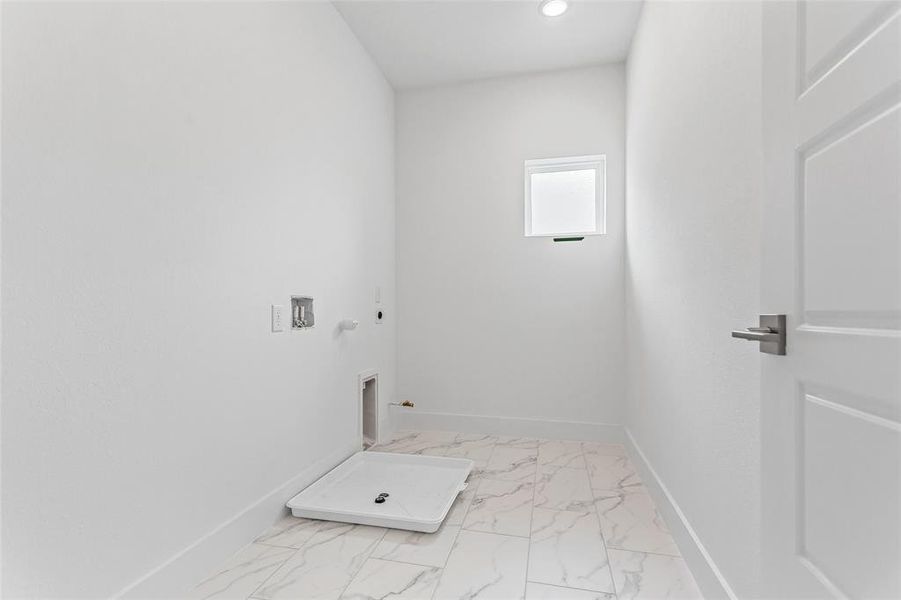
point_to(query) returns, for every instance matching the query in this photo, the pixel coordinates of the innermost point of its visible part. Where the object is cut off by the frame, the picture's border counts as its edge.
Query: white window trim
(598, 162)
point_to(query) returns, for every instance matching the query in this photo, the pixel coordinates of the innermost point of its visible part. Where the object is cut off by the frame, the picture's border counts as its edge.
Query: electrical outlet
(278, 318)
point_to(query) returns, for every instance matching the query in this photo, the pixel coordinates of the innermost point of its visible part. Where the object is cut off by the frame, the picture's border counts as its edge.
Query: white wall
(491, 322)
(169, 171)
(693, 209)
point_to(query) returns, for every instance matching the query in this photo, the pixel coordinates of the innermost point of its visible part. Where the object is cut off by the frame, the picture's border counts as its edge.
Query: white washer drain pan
(421, 490)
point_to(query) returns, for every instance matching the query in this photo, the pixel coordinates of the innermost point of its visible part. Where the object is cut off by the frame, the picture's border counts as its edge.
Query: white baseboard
(179, 574)
(405, 419)
(707, 575)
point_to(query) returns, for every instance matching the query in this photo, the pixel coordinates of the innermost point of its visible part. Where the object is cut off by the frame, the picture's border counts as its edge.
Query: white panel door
(831, 408)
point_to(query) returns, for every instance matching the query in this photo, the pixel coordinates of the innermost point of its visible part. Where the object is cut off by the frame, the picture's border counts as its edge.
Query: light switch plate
(278, 318)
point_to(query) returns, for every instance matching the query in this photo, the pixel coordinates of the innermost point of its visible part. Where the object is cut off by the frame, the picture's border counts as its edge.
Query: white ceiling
(434, 42)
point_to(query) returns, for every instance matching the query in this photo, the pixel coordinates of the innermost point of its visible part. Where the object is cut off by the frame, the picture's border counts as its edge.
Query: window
(566, 196)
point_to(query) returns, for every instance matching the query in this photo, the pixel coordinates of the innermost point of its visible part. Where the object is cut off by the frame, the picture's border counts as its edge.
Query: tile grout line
(506, 535)
(510, 482)
(293, 554)
(453, 545)
(525, 586)
(362, 562)
(459, 531)
(446, 559)
(592, 511)
(276, 570)
(568, 587)
(679, 556)
(625, 492)
(406, 562)
(601, 532)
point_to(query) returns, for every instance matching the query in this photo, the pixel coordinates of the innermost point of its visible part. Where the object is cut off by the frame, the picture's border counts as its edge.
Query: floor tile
(290, 532)
(560, 454)
(567, 550)
(501, 507)
(478, 470)
(541, 505)
(473, 446)
(430, 549)
(435, 443)
(432, 443)
(484, 566)
(384, 580)
(243, 573)
(401, 441)
(604, 449)
(611, 472)
(461, 505)
(523, 443)
(639, 575)
(511, 464)
(560, 488)
(324, 566)
(541, 591)
(630, 521)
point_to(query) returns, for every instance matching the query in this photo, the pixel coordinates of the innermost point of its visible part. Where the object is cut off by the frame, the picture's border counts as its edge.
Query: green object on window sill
(569, 239)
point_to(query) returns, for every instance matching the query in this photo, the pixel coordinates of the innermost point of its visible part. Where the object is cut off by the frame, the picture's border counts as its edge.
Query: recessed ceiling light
(553, 8)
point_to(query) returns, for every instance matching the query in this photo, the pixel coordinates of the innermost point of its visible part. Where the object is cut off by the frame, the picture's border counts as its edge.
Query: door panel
(831, 408)
(850, 185)
(830, 31)
(845, 514)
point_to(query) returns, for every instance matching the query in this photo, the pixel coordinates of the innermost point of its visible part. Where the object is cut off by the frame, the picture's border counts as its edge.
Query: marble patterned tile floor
(540, 520)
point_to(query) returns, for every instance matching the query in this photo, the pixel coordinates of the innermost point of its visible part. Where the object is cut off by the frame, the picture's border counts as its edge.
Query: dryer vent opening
(369, 410)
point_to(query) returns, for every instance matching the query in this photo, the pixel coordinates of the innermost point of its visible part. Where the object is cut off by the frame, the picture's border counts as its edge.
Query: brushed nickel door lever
(770, 333)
